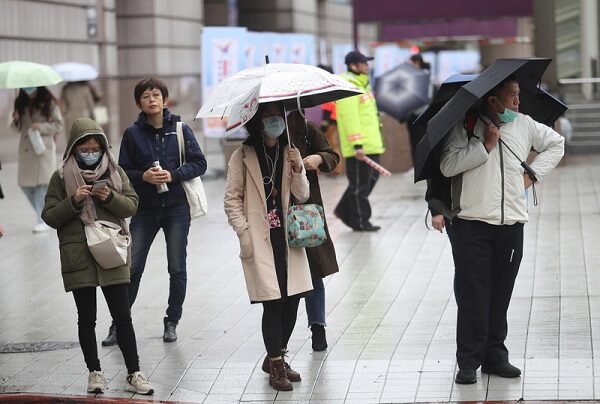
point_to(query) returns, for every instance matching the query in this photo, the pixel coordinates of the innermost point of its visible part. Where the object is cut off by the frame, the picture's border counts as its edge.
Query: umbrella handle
(530, 171)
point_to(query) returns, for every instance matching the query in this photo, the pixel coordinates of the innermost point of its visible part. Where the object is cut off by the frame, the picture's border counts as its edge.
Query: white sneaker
(96, 382)
(40, 228)
(138, 383)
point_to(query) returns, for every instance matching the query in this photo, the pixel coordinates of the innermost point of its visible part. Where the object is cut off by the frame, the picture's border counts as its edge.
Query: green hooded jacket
(79, 269)
(358, 119)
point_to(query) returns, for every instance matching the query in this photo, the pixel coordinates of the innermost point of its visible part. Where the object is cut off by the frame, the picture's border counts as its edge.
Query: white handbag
(107, 245)
(194, 190)
(35, 137)
(101, 114)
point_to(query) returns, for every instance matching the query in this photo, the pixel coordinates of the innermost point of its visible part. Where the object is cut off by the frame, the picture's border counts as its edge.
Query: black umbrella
(528, 72)
(402, 90)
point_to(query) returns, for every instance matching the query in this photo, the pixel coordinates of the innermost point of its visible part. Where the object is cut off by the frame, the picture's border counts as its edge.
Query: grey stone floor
(391, 311)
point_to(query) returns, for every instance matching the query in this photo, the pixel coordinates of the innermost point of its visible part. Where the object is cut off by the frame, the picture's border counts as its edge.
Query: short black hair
(149, 83)
(496, 90)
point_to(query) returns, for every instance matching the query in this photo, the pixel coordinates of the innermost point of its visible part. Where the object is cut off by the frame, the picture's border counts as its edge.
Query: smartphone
(97, 185)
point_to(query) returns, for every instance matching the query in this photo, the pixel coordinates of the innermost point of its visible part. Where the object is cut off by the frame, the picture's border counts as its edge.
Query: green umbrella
(18, 74)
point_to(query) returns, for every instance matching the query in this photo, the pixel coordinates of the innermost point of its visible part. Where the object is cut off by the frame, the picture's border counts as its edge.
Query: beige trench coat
(246, 207)
(78, 102)
(34, 170)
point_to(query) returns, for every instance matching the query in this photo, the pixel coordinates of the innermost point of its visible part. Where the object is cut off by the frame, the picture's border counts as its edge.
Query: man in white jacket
(488, 198)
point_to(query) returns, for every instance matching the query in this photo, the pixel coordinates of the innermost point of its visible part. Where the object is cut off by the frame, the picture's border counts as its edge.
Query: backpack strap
(470, 121)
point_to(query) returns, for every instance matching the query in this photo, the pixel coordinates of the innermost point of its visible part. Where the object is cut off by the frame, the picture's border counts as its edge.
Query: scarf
(75, 177)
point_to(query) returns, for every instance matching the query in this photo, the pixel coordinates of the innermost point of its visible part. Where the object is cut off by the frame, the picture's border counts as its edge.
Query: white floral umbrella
(299, 86)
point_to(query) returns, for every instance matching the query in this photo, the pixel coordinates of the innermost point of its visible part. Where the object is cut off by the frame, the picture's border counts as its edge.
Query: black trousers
(486, 261)
(118, 304)
(354, 208)
(278, 322)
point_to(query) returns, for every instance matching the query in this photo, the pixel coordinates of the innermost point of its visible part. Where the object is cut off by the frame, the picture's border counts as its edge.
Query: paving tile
(390, 310)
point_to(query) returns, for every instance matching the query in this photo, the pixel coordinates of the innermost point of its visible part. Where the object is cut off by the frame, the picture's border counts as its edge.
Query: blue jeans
(175, 222)
(315, 303)
(36, 197)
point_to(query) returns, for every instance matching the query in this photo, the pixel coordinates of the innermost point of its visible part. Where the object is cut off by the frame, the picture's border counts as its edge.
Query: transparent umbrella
(296, 85)
(73, 71)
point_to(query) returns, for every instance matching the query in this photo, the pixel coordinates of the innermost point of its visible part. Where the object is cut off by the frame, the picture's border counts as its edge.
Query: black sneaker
(466, 377)
(169, 335)
(502, 370)
(111, 339)
(319, 342)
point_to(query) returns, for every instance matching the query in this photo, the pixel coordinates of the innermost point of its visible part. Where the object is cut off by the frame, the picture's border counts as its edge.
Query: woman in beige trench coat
(35, 108)
(264, 175)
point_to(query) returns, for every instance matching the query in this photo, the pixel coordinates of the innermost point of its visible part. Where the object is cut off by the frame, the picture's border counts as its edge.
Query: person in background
(317, 154)
(487, 233)
(36, 108)
(264, 177)
(78, 99)
(360, 136)
(71, 204)
(163, 202)
(414, 131)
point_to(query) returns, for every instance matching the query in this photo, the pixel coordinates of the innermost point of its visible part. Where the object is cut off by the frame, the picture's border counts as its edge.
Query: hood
(83, 127)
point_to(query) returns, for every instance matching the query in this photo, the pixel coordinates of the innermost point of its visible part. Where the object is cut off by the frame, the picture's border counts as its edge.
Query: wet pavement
(390, 311)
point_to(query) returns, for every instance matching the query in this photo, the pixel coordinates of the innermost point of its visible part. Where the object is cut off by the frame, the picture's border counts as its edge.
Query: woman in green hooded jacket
(70, 205)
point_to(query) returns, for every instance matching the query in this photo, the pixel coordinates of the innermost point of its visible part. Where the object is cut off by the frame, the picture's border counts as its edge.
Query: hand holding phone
(98, 185)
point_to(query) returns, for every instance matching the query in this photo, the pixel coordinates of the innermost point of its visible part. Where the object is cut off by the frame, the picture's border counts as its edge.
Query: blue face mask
(274, 126)
(89, 159)
(508, 115)
(29, 90)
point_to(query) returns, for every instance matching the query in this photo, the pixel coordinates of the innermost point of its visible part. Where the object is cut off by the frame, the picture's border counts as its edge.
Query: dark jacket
(322, 259)
(79, 269)
(143, 144)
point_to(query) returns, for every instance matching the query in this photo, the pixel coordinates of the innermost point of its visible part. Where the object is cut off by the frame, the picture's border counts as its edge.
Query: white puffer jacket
(489, 186)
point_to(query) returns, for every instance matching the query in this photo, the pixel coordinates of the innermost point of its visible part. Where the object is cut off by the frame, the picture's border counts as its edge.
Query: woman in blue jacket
(153, 138)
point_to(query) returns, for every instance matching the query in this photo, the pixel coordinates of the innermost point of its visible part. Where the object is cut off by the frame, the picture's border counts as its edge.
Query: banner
(339, 53)
(223, 54)
(387, 57)
(228, 50)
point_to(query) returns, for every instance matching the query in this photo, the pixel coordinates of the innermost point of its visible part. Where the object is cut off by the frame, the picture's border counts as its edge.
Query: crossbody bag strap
(180, 143)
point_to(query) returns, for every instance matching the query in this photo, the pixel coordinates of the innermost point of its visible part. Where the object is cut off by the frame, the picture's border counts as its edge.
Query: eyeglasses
(148, 97)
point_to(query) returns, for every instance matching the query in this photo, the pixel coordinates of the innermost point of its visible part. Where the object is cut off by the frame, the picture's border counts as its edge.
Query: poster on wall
(339, 53)
(228, 50)
(302, 49)
(222, 55)
(387, 57)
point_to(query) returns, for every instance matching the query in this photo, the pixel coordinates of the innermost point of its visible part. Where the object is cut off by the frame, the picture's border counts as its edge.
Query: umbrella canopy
(402, 90)
(296, 85)
(73, 71)
(18, 74)
(528, 72)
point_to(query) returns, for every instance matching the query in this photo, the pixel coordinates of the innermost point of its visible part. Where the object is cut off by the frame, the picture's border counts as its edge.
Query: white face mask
(274, 126)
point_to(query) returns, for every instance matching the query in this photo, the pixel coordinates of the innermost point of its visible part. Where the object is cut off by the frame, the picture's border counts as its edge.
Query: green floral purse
(306, 225)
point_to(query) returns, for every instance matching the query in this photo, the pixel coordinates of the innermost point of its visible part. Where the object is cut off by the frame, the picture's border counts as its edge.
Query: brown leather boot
(277, 376)
(291, 374)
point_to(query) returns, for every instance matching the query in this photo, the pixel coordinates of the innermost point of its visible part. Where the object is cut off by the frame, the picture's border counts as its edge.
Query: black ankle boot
(170, 335)
(112, 336)
(319, 342)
